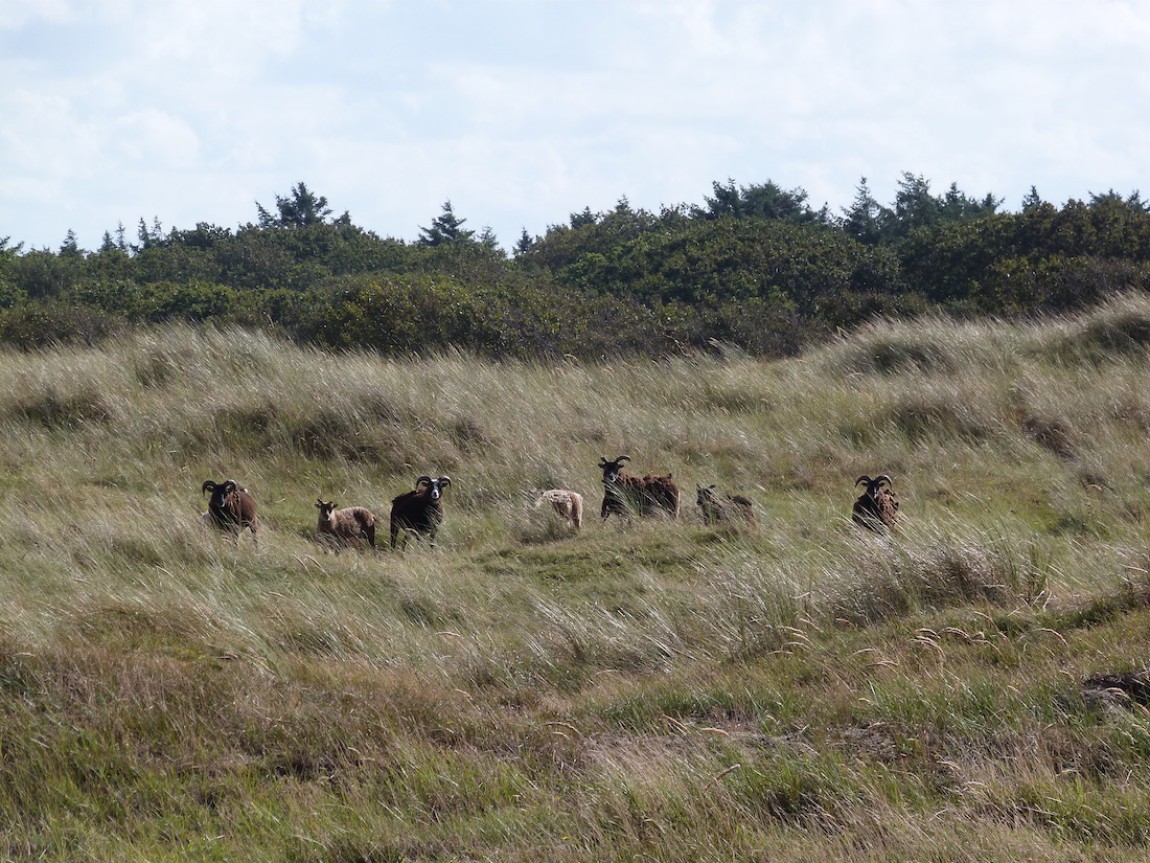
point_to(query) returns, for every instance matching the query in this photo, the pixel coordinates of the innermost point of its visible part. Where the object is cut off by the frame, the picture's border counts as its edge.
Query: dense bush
(756, 268)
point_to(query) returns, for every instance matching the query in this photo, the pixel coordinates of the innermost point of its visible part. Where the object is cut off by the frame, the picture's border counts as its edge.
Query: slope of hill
(968, 687)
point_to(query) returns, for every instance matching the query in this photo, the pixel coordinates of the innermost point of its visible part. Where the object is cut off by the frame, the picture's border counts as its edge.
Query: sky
(522, 112)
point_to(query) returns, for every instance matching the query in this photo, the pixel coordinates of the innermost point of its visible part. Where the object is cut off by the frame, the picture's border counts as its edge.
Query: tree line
(754, 266)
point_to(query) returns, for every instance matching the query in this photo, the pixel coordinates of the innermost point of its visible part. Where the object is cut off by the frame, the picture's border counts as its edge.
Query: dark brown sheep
(231, 507)
(419, 511)
(877, 507)
(720, 508)
(624, 494)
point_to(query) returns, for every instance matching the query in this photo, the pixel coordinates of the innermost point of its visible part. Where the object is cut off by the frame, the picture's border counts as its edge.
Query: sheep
(624, 493)
(351, 525)
(877, 507)
(231, 507)
(568, 505)
(419, 511)
(717, 508)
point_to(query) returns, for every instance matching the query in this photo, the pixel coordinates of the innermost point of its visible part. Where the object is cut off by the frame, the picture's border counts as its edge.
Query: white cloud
(523, 112)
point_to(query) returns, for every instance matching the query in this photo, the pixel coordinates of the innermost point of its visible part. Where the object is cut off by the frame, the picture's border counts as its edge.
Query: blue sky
(522, 112)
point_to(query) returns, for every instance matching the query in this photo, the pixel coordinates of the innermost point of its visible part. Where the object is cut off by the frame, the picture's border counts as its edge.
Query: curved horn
(623, 458)
(862, 479)
(444, 481)
(423, 480)
(603, 462)
(207, 486)
(881, 478)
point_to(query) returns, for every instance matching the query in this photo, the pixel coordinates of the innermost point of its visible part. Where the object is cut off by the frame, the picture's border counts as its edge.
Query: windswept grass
(659, 690)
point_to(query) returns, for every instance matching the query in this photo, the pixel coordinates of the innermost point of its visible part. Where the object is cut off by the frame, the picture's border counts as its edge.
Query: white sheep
(566, 504)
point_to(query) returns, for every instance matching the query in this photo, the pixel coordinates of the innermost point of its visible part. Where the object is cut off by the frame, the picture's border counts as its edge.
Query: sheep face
(219, 493)
(434, 487)
(325, 509)
(612, 469)
(877, 507)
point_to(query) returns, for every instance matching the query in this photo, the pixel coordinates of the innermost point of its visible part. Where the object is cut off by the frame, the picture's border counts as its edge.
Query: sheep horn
(444, 481)
(623, 458)
(603, 462)
(862, 479)
(423, 480)
(207, 486)
(881, 478)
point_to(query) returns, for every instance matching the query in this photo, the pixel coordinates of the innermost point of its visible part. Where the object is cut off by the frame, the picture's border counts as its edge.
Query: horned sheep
(230, 507)
(877, 507)
(624, 494)
(352, 525)
(419, 511)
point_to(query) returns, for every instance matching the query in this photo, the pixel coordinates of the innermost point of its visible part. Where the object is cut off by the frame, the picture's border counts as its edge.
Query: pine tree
(445, 228)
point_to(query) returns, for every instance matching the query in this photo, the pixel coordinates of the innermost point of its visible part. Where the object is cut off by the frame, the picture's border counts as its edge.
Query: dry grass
(794, 691)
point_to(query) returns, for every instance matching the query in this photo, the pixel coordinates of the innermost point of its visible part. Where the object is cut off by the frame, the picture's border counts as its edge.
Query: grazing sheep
(877, 507)
(568, 505)
(624, 494)
(717, 508)
(231, 507)
(419, 511)
(351, 525)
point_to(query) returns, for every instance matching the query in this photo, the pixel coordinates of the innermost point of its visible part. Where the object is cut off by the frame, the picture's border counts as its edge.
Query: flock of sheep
(420, 512)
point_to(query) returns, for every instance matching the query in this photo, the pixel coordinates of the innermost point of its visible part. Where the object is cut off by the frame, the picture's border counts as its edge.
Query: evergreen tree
(445, 228)
(523, 245)
(304, 207)
(488, 240)
(578, 220)
(862, 220)
(70, 248)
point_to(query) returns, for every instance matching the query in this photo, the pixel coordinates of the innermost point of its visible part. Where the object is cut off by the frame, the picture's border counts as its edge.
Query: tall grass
(665, 690)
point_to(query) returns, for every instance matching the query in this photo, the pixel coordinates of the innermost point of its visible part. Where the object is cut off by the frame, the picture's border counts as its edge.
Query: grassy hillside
(666, 691)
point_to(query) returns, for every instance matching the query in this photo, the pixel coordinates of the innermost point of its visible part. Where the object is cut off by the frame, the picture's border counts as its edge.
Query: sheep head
(219, 491)
(435, 487)
(873, 486)
(611, 469)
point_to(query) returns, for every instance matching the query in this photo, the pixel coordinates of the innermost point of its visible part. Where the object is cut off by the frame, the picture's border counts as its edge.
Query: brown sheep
(624, 494)
(351, 525)
(419, 511)
(877, 507)
(717, 508)
(231, 507)
(566, 504)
